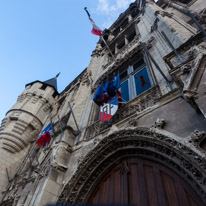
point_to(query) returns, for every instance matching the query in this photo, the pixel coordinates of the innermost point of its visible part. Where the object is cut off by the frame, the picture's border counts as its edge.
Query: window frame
(131, 77)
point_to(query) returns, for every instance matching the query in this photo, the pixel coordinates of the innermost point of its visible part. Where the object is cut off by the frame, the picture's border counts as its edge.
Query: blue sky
(39, 38)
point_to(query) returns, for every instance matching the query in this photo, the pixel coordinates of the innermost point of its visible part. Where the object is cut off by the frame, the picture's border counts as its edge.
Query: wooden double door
(144, 183)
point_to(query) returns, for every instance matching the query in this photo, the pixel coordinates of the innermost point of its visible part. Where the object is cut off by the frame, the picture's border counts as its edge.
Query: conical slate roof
(50, 82)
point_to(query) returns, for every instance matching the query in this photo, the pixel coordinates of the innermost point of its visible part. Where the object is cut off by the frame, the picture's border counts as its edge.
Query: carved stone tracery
(140, 143)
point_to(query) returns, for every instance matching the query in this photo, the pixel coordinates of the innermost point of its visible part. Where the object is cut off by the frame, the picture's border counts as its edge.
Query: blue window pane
(142, 81)
(125, 91)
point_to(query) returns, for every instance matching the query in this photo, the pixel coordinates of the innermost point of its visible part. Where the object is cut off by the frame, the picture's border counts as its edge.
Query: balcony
(138, 106)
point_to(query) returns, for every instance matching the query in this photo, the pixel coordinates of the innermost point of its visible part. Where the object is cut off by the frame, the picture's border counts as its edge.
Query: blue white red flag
(109, 109)
(45, 136)
(106, 97)
(95, 30)
(98, 95)
(111, 90)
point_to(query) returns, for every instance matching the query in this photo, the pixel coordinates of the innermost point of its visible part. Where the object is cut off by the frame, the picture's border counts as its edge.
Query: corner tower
(23, 122)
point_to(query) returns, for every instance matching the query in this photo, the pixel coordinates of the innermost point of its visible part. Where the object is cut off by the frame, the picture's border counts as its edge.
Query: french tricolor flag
(95, 30)
(45, 136)
(111, 98)
(109, 109)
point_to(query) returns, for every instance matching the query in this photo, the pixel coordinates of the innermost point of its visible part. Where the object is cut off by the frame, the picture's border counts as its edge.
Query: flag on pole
(111, 89)
(98, 95)
(105, 97)
(114, 86)
(95, 30)
(109, 109)
(117, 82)
(45, 136)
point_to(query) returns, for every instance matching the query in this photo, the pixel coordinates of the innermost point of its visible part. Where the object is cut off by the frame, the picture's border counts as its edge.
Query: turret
(22, 124)
(24, 120)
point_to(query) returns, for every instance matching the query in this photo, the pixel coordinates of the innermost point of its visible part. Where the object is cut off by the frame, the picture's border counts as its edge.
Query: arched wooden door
(142, 182)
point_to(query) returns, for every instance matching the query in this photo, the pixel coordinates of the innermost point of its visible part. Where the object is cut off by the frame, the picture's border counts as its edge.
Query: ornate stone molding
(139, 143)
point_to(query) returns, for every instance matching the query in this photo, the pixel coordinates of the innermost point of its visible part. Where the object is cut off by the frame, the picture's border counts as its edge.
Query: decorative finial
(58, 74)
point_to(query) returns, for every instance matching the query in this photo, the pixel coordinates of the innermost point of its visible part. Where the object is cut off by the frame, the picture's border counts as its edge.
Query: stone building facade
(152, 150)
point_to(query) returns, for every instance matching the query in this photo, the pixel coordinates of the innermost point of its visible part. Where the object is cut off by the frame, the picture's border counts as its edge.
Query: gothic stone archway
(167, 152)
(139, 182)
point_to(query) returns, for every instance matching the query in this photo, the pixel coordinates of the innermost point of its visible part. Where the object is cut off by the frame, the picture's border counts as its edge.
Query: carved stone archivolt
(140, 143)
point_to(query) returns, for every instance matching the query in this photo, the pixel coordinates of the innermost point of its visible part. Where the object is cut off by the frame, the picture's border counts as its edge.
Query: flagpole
(108, 48)
(100, 34)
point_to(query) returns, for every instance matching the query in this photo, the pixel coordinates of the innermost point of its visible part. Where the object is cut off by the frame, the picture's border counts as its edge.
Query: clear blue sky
(39, 38)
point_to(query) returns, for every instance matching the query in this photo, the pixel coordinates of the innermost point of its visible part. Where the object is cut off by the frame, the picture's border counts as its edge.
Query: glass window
(138, 65)
(125, 91)
(142, 81)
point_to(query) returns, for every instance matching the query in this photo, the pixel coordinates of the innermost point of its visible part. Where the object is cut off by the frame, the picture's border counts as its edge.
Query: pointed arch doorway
(143, 182)
(140, 167)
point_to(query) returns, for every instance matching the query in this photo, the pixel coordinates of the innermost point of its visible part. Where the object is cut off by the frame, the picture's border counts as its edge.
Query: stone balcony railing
(136, 106)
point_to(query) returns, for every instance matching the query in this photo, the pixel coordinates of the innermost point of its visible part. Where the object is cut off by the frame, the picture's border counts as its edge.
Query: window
(142, 81)
(121, 45)
(135, 80)
(43, 87)
(185, 1)
(54, 94)
(131, 36)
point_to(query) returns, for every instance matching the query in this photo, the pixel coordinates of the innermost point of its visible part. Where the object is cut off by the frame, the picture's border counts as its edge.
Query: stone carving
(197, 137)
(160, 123)
(192, 53)
(138, 104)
(186, 68)
(96, 140)
(186, 56)
(87, 79)
(94, 129)
(138, 142)
(79, 159)
(132, 122)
